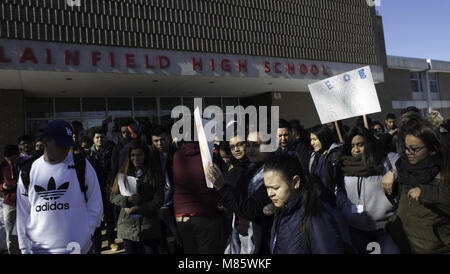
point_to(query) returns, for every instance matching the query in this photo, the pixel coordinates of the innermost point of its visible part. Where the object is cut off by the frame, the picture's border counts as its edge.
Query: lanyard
(274, 242)
(359, 187)
(277, 227)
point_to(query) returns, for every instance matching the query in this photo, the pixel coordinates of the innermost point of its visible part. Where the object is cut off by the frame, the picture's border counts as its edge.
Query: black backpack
(80, 168)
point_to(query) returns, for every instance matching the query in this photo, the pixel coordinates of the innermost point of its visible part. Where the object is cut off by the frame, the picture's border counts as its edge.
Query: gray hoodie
(376, 207)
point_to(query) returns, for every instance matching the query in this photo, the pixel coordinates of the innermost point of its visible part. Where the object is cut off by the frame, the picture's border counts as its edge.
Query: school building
(423, 83)
(141, 58)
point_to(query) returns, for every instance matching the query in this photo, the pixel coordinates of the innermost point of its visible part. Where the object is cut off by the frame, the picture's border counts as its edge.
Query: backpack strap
(388, 162)
(25, 169)
(80, 168)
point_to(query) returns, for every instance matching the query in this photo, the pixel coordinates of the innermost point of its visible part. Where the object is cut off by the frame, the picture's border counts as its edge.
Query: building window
(146, 107)
(67, 108)
(229, 101)
(212, 101)
(166, 104)
(119, 107)
(416, 81)
(433, 82)
(39, 107)
(94, 107)
(189, 102)
(93, 112)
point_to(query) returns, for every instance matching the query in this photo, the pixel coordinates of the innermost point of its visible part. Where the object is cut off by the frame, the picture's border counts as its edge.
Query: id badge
(357, 209)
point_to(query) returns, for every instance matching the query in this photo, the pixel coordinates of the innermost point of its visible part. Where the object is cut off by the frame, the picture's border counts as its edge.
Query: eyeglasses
(238, 145)
(413, 150)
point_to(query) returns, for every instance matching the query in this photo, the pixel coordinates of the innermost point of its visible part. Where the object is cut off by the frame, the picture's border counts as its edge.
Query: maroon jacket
(191, 195)
(9, 176)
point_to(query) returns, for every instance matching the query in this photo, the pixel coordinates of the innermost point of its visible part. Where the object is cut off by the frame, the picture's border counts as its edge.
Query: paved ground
(105, 247)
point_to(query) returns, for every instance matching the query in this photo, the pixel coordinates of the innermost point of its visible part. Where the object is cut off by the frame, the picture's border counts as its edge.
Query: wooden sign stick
(338, 131)
(366, 124)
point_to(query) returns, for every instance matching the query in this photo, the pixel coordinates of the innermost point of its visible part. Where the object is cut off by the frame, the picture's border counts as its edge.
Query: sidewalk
(105, 247)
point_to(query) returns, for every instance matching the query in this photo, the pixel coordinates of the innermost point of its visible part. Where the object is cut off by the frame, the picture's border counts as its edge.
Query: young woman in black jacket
(324, 162)
(248, 198)
(302, 224)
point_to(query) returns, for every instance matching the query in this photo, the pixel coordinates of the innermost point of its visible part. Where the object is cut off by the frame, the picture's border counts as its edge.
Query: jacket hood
(334, 146)
(190, 148)
(93, 149)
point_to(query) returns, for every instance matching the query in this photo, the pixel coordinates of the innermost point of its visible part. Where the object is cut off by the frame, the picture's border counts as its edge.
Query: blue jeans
(142, 247)
(361, 240)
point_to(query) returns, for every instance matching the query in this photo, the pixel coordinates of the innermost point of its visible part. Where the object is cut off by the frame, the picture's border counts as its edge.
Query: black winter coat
(323, 232)
(332, 173)
(250, 208)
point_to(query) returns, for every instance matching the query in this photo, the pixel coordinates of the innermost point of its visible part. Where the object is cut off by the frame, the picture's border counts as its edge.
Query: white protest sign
(128, 188)
(206, 147)
(346, 95)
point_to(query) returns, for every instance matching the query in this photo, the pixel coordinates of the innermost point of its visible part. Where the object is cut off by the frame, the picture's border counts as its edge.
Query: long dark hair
(324, 135)
(425, 131)
(373, 154)
(289, 166)
(151, 166)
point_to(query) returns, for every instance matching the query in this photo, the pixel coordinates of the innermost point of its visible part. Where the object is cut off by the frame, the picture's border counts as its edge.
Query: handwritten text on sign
(346, 95)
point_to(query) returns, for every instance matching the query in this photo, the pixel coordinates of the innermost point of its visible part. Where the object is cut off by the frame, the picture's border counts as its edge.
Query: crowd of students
(316, 194)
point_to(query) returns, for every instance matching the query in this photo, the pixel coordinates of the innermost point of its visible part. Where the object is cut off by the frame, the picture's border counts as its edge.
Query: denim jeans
(143, 247)
(9, 215)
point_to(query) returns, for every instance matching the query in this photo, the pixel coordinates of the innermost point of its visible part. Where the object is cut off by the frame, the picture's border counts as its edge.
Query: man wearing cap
(53, 214)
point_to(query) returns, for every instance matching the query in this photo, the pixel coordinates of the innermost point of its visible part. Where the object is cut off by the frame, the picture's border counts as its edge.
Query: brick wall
(12, 120)
(340, 31)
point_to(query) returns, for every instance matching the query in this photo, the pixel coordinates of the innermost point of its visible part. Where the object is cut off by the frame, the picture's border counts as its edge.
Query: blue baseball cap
(61, 131)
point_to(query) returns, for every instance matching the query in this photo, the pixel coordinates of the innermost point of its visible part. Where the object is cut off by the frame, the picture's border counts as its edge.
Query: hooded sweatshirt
(376, 208)
(9, 175)
(54, 216)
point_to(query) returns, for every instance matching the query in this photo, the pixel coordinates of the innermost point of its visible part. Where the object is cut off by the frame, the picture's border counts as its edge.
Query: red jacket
(191, 195)
(10, 176)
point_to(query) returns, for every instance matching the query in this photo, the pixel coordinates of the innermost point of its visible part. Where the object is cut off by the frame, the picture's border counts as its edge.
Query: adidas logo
(52, 206)
(52, 193)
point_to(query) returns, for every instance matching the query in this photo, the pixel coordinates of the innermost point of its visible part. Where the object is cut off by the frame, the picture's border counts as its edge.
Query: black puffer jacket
(323, 230)
(331, 172)
(250, 208)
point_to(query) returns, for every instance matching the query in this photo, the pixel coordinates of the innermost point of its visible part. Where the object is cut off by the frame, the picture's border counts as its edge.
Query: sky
(417, 28)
